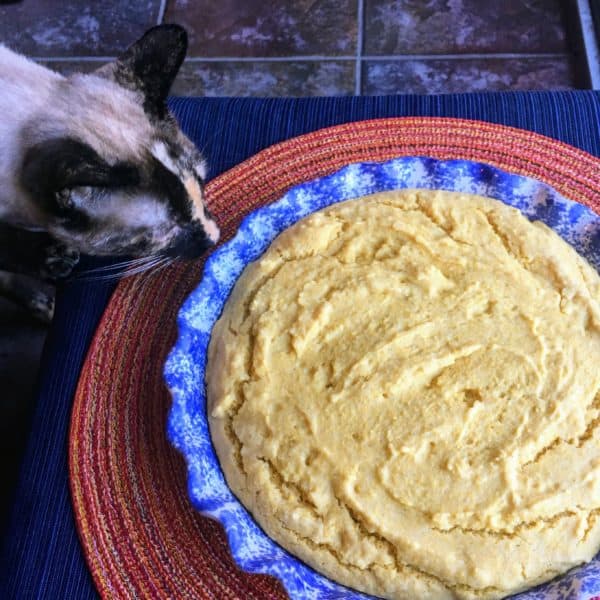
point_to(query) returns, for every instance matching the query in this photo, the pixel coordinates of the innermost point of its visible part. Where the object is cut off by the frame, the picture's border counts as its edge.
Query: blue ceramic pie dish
(185, 367)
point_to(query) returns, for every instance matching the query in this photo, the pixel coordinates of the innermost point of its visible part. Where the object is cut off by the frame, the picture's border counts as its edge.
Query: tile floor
(319, 47)
(292, 48)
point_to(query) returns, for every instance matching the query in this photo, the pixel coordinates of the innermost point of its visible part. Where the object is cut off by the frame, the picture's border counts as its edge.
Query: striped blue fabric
(41, 556)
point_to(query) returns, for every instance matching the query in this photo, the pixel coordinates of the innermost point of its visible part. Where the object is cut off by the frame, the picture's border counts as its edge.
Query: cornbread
(405, 392)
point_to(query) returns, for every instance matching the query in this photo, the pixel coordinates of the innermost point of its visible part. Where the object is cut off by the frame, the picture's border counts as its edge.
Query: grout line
(204, 59)
(161, 11)
(590, 44)
(474, 56)
(359, 48)
(76, 58)
(308, 58)
(398, 57)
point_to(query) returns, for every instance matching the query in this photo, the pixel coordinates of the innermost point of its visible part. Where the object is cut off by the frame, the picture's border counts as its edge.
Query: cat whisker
(152, 261)
(166, 263)
(161, 263)
(119, 265)
(142, 268)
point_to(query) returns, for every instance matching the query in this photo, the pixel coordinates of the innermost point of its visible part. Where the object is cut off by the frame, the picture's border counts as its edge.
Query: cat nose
(191, 243)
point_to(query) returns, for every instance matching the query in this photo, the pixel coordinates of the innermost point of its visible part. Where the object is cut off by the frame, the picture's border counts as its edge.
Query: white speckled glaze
(184, 371)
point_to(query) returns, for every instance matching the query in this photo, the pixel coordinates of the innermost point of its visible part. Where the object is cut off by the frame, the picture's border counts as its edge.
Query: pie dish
(185, 367)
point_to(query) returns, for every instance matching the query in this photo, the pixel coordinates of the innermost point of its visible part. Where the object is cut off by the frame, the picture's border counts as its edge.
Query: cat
(96, 164)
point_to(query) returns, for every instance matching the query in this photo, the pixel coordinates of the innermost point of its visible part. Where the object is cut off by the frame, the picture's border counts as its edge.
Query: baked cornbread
(405, 392)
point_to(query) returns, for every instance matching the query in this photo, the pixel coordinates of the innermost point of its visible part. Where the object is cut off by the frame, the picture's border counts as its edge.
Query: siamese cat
(95, 164)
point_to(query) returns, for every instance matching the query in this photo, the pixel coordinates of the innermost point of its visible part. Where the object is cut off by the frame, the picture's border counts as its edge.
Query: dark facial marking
(52, 169)
(168, 185)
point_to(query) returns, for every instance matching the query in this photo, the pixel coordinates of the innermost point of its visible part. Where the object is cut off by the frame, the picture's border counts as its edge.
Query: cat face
(108, 169)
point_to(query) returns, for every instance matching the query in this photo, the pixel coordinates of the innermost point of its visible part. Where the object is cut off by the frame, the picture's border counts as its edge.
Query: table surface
(41, 556)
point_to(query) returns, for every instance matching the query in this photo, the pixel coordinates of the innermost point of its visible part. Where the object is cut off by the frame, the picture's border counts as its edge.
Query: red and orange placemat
(140, 535)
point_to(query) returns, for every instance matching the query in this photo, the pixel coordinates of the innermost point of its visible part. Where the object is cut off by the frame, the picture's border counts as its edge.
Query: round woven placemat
(140, 534)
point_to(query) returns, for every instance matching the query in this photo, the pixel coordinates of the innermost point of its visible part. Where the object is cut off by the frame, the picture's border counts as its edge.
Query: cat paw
(59, 262)
(41, 306)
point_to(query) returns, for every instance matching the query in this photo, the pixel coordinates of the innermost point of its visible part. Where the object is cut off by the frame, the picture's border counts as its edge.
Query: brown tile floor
(255, 28)
(48, 28)
(464, 26)
(441, 76)
(293, 47)
(318, 47)
(293, 78)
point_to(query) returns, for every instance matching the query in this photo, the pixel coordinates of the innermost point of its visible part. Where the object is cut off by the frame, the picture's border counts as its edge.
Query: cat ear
(51, 170)
(151, 64)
